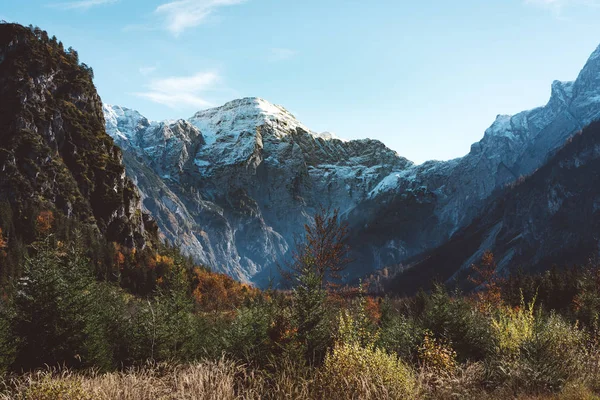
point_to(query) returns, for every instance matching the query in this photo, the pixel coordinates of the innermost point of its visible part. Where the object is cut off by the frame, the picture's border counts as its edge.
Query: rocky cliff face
(551, 217)
(422, 210)
(54, 151)
(232, 185)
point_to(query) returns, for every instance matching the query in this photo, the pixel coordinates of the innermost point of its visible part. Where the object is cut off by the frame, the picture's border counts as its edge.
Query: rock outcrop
(233, 185)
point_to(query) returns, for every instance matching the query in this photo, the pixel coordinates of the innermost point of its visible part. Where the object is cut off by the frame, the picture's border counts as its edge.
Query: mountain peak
(243, 115)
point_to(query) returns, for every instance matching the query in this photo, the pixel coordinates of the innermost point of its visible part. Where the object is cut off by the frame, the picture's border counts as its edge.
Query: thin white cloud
(176, 92)
(147, 70)
(183, 14)
(82, 4)
(281, 54)
(558, 5)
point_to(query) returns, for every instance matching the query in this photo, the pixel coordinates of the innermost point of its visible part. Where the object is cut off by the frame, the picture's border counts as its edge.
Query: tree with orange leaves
(44, 222)
(323, 252)
(3, 243)
(486, 280)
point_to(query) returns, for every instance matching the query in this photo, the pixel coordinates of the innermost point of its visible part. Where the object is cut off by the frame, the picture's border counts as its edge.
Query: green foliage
(53, 389)
(311, 317)
(398, 333)
(52, 299)
(437, 355)
(351, 371)
(247, 338)
(172, 320)
(552, 353)
(513, 327)
(7, 340)
(456, 320)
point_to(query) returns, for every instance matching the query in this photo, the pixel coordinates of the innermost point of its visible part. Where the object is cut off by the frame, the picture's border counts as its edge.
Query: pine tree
(311, 316)
(53, 306)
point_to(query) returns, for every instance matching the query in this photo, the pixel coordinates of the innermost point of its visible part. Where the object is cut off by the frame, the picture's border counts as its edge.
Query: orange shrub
(44, 221)
(219, 291)
(3, 243)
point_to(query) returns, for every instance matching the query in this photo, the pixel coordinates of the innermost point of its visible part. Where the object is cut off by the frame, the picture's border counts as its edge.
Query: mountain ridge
(54, 152)
(257, 156)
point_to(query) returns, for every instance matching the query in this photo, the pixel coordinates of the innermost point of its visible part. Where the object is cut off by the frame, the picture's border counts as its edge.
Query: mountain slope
(54, 151)
(552, 217)
(421, 210)
(238, 181)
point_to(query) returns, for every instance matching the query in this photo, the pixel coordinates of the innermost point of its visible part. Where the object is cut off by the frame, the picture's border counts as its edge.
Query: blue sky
(426, 77)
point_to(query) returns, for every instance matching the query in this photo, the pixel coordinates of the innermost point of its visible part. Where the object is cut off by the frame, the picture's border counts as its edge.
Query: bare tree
(322, 251)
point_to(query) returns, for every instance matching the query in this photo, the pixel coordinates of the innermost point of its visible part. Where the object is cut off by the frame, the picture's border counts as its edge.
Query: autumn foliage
(486, 281)
(323, 250)
(214, 292)
(44, 221)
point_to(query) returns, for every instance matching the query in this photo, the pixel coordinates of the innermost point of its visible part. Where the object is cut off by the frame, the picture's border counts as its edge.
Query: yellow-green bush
(55, 389)
(512, 327)
(351, 371)
(437, 355)
(551, 354)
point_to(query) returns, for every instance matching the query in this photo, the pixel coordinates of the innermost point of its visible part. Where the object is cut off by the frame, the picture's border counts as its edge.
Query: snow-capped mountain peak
(242, 115)
(252, 173)
(122, 122)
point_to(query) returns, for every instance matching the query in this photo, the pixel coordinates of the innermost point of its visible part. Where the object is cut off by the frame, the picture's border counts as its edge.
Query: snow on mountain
(238, 181)
(247, 175)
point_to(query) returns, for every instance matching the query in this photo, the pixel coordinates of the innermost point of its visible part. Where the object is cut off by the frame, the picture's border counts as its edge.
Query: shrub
(457, 320)
(351, 371)
(400, 335)
(247, 338)
(53, 388)
(550, 354)
(53, 307)
(354, 326)
(7, 339)
(311, 317)
(437, 355)
(512, 327)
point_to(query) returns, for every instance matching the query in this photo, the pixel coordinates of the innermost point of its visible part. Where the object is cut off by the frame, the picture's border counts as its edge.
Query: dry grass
(227, 380)
(220, 380)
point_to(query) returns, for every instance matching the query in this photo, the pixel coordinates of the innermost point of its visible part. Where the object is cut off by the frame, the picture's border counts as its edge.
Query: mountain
(233, 185)
(422, 210)
(54, 150)
(551, 217)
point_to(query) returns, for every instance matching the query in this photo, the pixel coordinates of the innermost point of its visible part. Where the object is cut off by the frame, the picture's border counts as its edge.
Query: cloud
(147, 70)
(82, 4)
(281, 54)
(182, 14)
(558, 5)
(176, 92)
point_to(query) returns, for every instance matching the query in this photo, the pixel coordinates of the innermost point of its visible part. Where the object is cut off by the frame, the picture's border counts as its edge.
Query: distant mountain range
(233, 185)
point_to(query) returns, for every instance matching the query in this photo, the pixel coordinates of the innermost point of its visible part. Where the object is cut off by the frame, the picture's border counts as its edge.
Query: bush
(437, 355)
(551, 353)
(457, 320)
(313, 328)
(7, 339)
(512, 327)
(247, 338)
(351, 371)
(53, 306)
(49, 388)
(399, 334)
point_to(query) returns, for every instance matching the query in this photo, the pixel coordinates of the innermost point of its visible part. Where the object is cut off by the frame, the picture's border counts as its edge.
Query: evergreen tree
(311, 316)
(53, 307)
